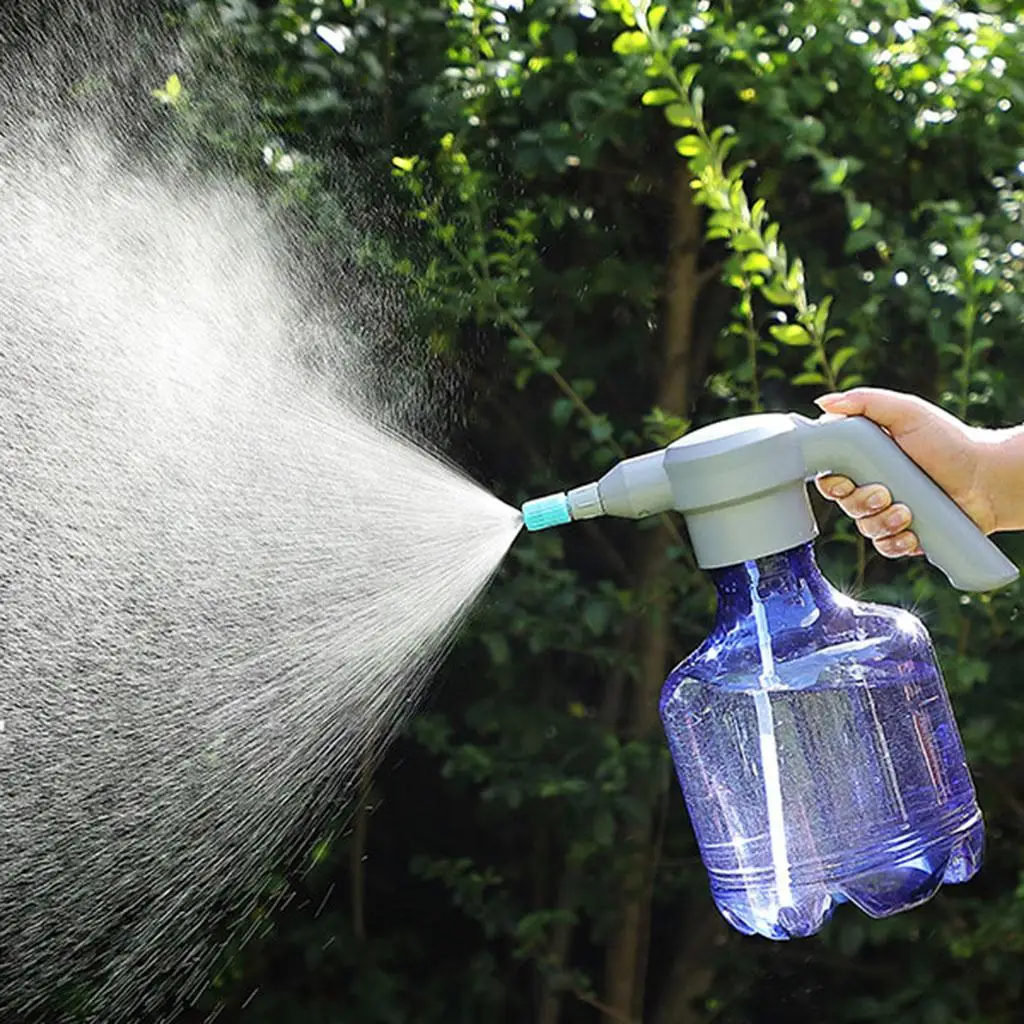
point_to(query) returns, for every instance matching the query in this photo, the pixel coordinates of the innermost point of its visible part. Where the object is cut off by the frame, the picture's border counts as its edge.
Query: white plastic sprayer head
(742, 486)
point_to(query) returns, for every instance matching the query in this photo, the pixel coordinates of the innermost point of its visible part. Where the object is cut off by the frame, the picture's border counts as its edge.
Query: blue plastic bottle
(812, 734)
(818, 754)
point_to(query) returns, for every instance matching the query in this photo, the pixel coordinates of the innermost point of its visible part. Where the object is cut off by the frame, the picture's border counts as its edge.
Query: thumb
(896, 412)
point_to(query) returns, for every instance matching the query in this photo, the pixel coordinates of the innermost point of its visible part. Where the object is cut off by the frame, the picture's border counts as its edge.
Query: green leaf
(583, 386)
(737, 197)
(810, 130)
(841, 358)
(757, 263)
(697, 99)
(746, 241)
(725, 219)
(658, 97)
(596, 615)
(561, 411)
(790, 334)
(803, 379)
(405, 163)
(776, 293)
(563, 41)
(657, 16)
(624, 9)
(795, 277)
(860, 214)
(630, 43)
(171, 92)
(821, 315)
(689, 75)
(689, 145)
(678, 114)
(857, 241)
(834, 171)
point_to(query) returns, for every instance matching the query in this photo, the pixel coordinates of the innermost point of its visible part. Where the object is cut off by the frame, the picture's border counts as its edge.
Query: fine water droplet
(228, 566)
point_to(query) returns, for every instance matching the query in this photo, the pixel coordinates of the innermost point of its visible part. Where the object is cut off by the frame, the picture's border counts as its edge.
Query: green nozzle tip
(542, 513)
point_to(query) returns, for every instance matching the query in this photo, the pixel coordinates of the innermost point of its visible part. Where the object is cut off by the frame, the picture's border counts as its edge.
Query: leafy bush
(624, 221)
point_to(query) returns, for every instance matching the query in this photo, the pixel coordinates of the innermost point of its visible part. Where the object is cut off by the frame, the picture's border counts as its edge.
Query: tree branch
(626, 956)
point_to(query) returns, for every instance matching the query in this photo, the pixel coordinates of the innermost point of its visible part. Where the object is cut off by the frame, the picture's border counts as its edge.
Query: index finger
(835, 487)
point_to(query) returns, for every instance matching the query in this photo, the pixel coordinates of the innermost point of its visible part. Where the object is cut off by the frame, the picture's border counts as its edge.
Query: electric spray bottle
(812, 734)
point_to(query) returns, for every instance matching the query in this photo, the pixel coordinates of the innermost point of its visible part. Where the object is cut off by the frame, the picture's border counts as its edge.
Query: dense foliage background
(523, 854)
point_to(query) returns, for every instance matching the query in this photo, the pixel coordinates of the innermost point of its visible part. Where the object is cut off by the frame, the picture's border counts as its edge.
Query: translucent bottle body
(818, 754)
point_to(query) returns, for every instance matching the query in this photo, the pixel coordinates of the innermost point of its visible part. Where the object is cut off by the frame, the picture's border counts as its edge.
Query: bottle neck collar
(770, 580)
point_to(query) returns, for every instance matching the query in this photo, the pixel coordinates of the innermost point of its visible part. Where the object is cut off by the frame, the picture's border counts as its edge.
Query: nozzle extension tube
(636, 488)
(633, 489)
(862, 451)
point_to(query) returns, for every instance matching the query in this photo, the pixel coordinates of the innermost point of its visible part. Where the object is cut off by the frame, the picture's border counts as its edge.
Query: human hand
(956, 456)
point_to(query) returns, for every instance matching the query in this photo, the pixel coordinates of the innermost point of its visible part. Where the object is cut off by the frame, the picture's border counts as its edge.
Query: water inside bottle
(818, 753)
(875, 804)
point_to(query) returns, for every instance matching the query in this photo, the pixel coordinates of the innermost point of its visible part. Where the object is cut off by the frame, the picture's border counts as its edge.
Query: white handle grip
(856, 448)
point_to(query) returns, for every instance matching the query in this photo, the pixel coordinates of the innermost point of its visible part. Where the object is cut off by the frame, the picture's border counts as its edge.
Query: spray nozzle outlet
(543, 513)
(741, 485)
(632, 489)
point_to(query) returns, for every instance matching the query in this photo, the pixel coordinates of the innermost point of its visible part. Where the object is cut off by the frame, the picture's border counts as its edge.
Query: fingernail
(834, 402)
(905, 544)
(878, 501)
(839, 489)
(896, 519)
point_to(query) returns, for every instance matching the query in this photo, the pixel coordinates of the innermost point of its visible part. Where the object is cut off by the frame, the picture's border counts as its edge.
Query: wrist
(1003, 477)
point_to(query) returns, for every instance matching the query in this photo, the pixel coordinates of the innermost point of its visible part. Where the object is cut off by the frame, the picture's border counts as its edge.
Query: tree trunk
(626, 956)
(692, 969)
(550, 1006)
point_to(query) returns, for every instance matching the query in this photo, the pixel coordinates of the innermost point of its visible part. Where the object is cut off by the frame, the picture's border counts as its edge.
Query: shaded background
(523, 853)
